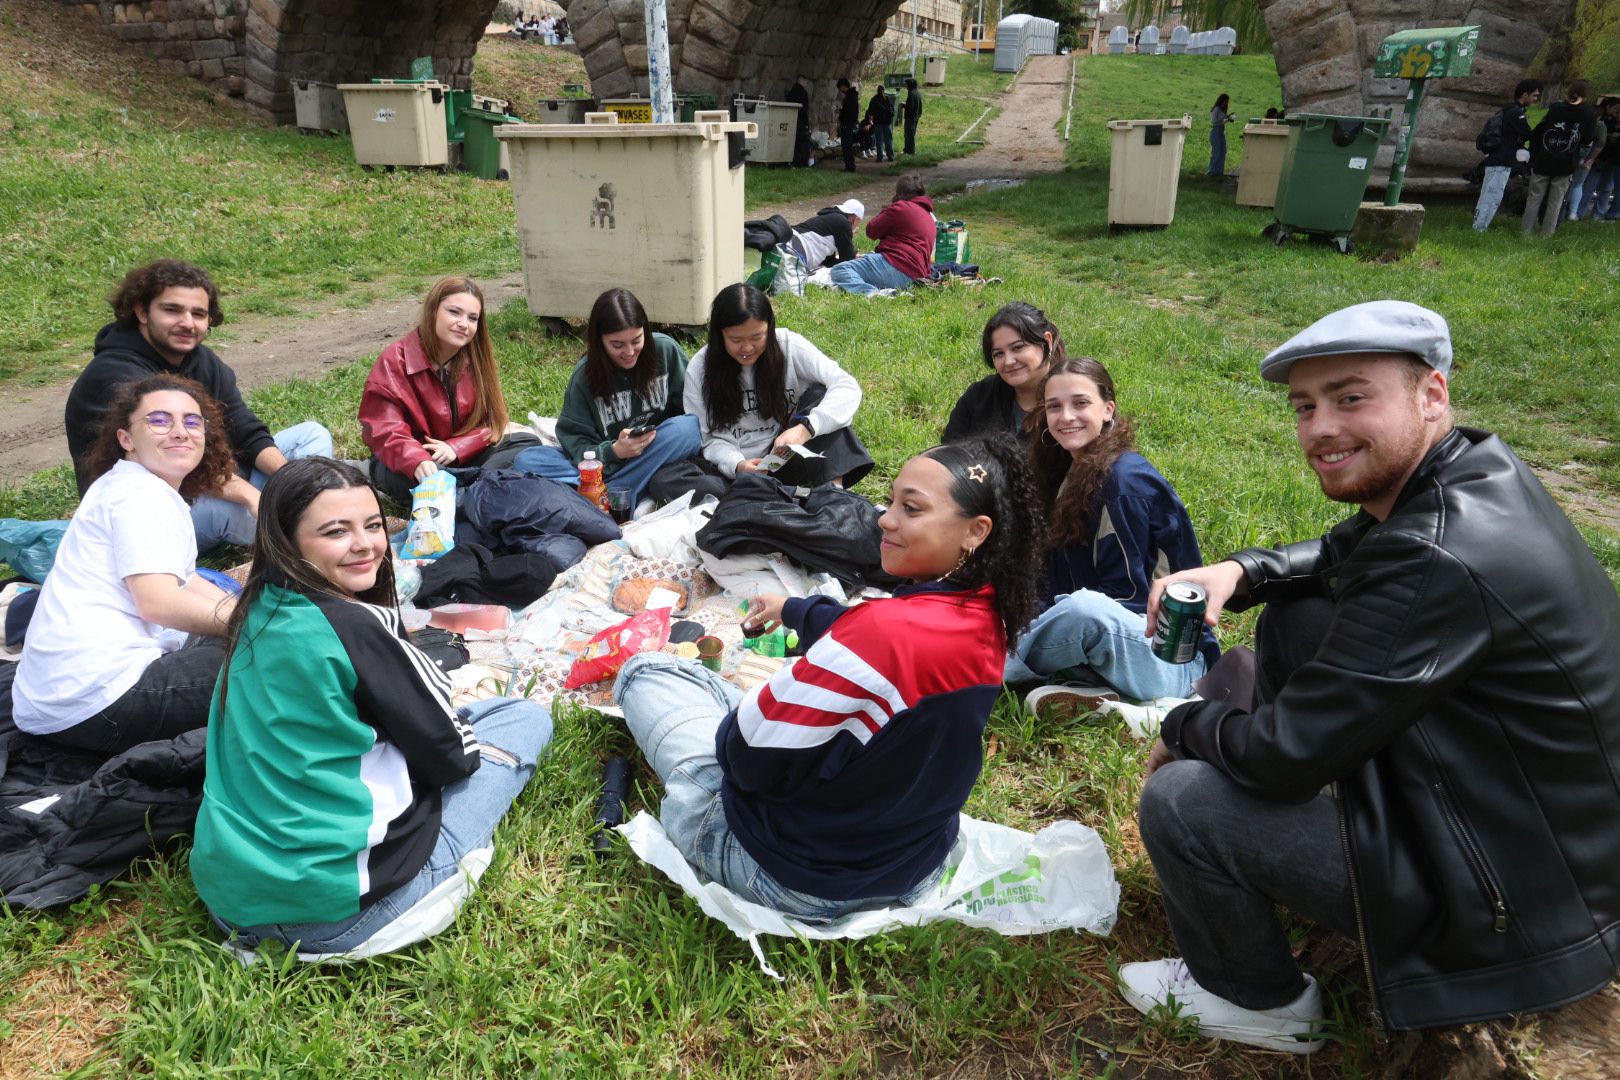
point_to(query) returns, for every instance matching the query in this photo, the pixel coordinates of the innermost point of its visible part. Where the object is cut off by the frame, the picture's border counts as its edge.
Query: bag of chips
(432, 530)
(606, 653)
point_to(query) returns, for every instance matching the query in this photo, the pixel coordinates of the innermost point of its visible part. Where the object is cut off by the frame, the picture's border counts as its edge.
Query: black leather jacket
(1466, 703)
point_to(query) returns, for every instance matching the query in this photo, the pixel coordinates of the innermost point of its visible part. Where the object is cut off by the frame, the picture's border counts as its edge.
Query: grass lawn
(578, 968)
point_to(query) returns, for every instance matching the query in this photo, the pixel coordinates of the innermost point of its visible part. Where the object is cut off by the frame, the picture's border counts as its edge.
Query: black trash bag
(823, 528)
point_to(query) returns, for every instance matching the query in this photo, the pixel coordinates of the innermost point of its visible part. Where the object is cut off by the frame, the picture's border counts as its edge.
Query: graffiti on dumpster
(602, 208)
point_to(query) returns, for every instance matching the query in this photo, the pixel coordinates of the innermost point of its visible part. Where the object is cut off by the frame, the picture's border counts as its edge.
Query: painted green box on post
(1440, 53)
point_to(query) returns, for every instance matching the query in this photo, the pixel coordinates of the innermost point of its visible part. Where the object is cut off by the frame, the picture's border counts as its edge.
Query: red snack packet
(606, 653)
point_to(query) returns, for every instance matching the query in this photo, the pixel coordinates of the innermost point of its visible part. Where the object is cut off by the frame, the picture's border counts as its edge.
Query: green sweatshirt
(591, 423)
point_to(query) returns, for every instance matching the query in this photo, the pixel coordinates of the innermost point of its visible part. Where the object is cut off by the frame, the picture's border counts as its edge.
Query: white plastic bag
(1004, 879)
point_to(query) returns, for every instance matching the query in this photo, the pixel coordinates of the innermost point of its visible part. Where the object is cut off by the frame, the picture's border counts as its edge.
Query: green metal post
(1403, 146)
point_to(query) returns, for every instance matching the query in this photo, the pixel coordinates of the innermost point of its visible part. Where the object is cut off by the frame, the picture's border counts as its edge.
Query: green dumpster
(688, 105)
(481, 154)
(1324, 175)
(895, 80)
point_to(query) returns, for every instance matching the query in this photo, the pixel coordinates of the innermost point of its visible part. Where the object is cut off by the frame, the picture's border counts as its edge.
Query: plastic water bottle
(590, 480)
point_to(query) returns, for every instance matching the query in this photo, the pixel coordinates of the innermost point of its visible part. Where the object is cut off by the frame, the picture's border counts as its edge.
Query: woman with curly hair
(1114, 524)
(837, 785)
(107, 662)
(433, 398)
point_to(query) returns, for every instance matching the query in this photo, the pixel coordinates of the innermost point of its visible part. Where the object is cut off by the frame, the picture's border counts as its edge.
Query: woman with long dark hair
(757, 389)
(623, 403)
(1219, 117)
(1019, 343)
(1114, 524)
(838, 784)
(124, 644)
(348, 809)
(433, 399)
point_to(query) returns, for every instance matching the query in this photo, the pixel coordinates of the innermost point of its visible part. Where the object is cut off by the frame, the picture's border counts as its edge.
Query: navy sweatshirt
(846, 772)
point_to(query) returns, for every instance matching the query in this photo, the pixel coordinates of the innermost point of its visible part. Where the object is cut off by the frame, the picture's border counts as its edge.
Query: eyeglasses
(161, 423)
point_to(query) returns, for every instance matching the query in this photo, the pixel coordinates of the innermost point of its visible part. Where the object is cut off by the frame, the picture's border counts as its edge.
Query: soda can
(1181, 622)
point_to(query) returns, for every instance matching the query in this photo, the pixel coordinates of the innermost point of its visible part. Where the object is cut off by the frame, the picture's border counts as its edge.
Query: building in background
(939, 29)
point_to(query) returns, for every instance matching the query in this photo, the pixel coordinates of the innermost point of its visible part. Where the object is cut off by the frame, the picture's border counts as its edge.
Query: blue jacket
(1139, 531)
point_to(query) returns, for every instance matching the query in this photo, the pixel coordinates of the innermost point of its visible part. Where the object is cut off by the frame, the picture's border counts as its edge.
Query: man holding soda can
(1432, 763)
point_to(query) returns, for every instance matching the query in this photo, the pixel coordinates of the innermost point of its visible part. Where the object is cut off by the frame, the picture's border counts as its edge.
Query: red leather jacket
(404, 402)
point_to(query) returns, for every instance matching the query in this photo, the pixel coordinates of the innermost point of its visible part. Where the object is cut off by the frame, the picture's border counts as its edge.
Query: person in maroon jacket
(904, 231)
(408, 416)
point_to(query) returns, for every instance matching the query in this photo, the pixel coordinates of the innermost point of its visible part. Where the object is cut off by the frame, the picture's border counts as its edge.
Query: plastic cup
(619, 505)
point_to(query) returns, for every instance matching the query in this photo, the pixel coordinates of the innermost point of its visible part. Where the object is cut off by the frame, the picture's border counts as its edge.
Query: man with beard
(1432, 761)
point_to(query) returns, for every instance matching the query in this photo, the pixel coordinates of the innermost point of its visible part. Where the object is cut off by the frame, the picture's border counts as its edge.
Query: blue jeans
(673, 708)
(1490, 195)
(1602, 193)
(1088, 630)
(676, 440)
(867, 274)
(1217, 150)
(470, 810)
(219, 521)
(883, 140)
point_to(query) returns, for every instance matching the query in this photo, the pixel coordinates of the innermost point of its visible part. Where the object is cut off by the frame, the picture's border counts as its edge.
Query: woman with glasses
(124, 646)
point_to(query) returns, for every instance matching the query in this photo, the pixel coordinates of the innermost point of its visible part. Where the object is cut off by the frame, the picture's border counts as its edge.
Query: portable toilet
(1178, 40)
(1118, 38)
(1147, 42)
(1224, 41)
(1200, 43)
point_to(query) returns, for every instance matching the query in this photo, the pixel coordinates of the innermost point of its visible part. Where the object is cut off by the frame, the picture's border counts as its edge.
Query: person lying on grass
(1114, 524)
(124, 646)
(433, 399)
(1020, 344)
(836, 785)
(624, 402)
(347, 808)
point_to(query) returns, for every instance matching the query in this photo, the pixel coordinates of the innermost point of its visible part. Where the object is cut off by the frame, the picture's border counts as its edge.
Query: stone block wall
(1324, 51)
(200, 38)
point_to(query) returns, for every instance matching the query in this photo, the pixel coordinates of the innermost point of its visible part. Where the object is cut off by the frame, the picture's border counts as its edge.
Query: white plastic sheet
(1003, 879)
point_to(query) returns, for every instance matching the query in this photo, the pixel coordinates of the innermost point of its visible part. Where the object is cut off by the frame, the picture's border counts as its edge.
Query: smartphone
(638, 432)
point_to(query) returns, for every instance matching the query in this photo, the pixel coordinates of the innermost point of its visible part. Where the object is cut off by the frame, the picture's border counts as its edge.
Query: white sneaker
(1293, 1028)
(1144, 720)
(1058, 703)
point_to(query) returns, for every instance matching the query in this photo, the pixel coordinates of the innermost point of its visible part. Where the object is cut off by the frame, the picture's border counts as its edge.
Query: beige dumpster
(656, 208)
(1264, 142)
(778, 123)
(934, 71)
(397, 123)
(1144, 170)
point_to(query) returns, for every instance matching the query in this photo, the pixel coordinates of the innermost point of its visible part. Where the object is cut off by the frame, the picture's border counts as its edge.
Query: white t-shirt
(86, 643)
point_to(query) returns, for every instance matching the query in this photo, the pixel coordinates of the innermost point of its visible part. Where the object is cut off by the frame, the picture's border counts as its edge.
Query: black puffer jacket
(1466, 702)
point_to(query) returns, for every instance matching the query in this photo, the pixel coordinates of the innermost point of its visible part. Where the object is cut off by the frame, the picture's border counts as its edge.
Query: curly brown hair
(145, 284)
(1070, 484)
(217, 465)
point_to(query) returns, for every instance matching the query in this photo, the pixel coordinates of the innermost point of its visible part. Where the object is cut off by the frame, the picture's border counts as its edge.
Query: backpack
(1490, 136)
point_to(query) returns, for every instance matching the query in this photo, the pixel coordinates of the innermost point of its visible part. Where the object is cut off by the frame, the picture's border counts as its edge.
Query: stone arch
(723, 47)
(353, 40)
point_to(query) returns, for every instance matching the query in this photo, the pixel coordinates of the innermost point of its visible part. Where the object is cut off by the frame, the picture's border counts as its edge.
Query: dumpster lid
(709, 130)
(1125, 125)
(392, 86)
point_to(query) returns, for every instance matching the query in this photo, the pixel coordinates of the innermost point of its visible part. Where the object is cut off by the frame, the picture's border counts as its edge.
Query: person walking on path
(1504, 149)
(1555, 150)
(1219, 117)
(912, 110)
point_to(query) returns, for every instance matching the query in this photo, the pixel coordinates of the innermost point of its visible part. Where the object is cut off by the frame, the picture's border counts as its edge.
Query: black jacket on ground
(122, 355)
(509, 512)
(1515, 133)
(832, 223)
(1466, 703)
(822, 528)
(986, 406)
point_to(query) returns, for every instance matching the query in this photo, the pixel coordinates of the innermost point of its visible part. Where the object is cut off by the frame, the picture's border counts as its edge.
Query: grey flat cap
(1377, 326)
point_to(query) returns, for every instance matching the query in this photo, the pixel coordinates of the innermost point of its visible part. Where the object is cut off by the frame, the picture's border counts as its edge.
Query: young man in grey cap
(1432, 762)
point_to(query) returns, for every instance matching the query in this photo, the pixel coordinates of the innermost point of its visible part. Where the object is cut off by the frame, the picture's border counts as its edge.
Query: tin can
(1181, 622)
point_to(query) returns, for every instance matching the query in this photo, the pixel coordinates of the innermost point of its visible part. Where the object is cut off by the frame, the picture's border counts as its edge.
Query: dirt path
(264, 350)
